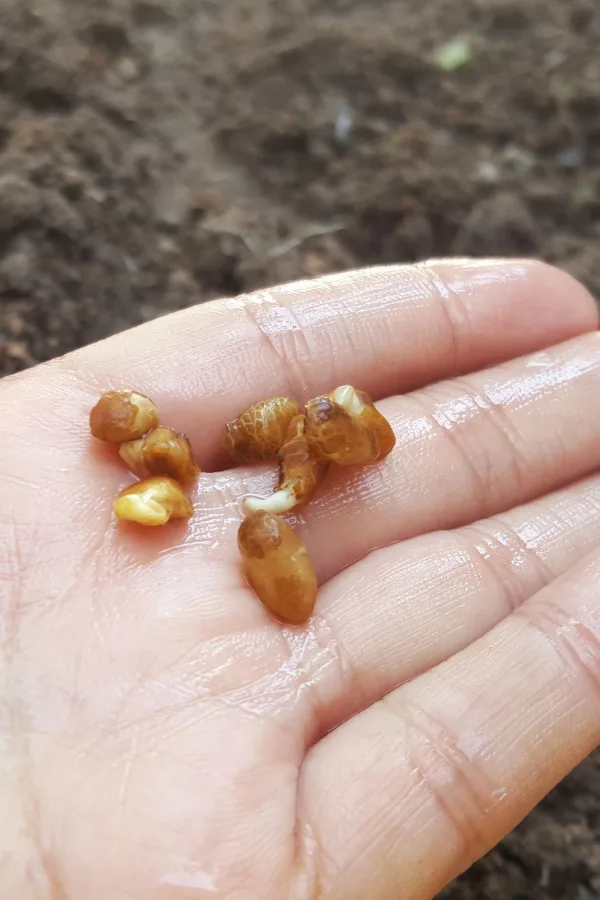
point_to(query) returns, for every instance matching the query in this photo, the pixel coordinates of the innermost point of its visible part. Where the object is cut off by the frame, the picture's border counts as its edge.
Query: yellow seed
(278, 567)
(122, 416)
(131, 454)
(153, 501)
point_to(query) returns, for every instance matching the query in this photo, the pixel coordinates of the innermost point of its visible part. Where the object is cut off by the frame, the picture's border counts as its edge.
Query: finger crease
(274, 322)
(486, 471)
(504, 428)
(499, 554)
(456, 783)
(454, 311)
(575, 643)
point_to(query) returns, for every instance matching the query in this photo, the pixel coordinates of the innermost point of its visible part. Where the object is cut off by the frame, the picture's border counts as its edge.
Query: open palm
(162, 737)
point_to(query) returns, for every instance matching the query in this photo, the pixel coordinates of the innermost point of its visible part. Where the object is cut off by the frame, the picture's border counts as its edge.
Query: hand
(162, 737)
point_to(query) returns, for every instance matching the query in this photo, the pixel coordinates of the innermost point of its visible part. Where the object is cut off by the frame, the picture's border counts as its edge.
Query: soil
(157, 153)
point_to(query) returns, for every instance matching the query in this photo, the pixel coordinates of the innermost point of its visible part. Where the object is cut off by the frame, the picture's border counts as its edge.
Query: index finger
(386, 330)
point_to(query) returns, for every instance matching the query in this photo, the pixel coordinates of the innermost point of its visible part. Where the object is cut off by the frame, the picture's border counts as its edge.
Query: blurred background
(159, 153)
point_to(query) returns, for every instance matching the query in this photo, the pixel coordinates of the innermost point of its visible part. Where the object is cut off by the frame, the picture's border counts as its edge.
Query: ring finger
(407, 608)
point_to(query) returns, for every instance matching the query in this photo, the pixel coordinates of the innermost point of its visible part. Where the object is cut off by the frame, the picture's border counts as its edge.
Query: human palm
(162, 737)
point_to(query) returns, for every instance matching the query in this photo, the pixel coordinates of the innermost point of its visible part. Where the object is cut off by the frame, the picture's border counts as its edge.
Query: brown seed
(334, 435)
(260, 430)
(154, 501)
(122, 416)
(381, 429)
(278, 567)
(299, 473)
(161, 452)
(346, 428)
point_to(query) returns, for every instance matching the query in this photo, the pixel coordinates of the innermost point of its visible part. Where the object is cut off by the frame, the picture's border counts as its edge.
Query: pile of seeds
(342, 428)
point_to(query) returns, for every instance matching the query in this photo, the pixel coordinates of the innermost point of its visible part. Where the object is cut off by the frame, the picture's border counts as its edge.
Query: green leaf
(453, 54)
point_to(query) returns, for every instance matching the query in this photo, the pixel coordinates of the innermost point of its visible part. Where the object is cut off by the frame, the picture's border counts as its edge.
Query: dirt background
(157, 154)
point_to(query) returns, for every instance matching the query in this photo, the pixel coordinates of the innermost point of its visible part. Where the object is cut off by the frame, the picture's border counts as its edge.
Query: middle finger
(466, 449)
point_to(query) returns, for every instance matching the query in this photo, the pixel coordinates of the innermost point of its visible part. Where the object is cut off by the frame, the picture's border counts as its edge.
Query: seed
(278, 567)
(153, 501)
(161, 452)
(122, 416)
(345, 427)
(299, 473)
(260, 430)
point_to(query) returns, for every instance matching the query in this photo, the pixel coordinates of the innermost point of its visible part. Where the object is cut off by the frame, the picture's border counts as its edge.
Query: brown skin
(161, 452)
(278, 567)
(120, 416)
(335, 436)
(258, 433)
(342, 436)
(299, 470)
(378, 426)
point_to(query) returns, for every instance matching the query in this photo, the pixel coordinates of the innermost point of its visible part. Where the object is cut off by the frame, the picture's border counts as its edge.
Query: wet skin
(163, 738)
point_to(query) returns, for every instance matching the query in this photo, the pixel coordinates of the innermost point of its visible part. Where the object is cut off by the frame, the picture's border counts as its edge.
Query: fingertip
(526, 304)
(558, 292)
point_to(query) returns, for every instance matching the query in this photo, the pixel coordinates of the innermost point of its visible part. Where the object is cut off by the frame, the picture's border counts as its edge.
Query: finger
(466, 449)
(438, 476)
(408, 794)
(386, 330)
(408, 607)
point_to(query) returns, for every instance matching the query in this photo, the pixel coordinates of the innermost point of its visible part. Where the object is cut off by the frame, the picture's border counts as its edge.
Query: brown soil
(154, 154)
